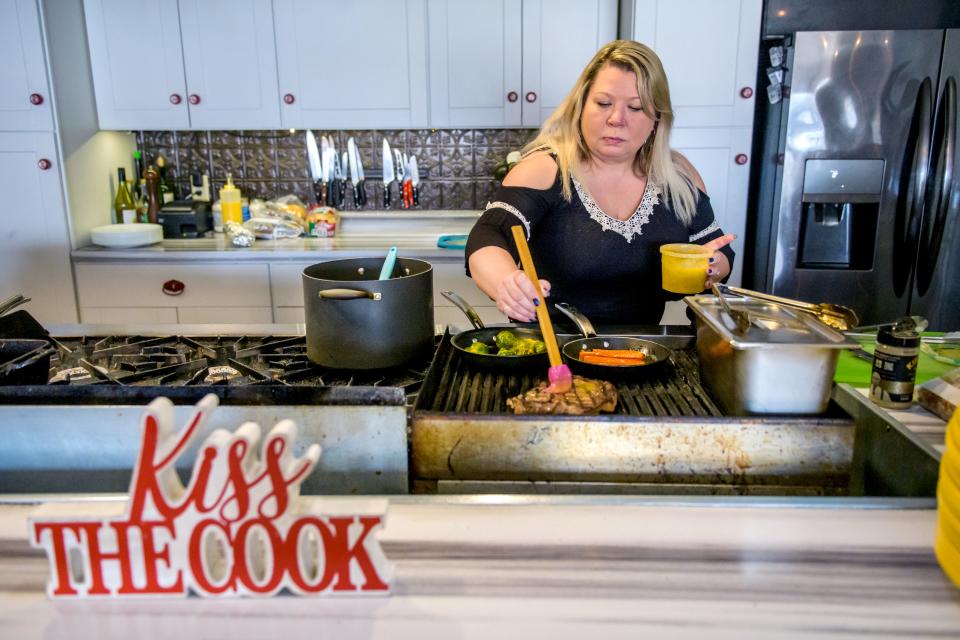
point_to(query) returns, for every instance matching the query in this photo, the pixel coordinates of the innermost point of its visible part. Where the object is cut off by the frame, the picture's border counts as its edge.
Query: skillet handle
(348, 294)
(583, 324)
(464, 306)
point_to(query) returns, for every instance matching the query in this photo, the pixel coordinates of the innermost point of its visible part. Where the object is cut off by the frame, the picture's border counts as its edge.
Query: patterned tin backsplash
(456, 165)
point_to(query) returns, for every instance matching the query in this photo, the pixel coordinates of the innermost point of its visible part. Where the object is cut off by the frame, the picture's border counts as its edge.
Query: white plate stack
(126, 235)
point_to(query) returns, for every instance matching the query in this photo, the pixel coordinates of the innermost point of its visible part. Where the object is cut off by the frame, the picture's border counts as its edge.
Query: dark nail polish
(709, 272)
(712, 260)
(536, 302)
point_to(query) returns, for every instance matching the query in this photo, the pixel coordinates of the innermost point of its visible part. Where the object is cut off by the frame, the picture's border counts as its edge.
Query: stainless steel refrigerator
(866, 210)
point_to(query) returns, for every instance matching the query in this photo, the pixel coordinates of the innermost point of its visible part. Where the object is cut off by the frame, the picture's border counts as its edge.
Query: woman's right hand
(518, 298)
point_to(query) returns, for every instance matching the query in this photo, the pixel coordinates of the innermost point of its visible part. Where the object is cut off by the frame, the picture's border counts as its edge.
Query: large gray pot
(355, 321)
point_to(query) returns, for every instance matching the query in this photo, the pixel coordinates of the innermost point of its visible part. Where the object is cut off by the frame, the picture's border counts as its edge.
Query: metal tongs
(740, 318)
(833, 315)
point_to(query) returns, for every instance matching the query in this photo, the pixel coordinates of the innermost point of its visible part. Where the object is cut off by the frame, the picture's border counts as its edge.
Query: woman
(598, 192)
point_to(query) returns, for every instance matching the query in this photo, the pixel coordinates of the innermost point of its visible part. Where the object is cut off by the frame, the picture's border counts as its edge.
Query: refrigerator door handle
(940, 189)
(912, 190)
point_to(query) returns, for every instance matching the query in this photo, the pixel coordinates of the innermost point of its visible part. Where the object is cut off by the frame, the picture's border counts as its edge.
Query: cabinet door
(559, 39)
(137, 64)
(352, 64)
(34, 242)
(714, 153)
(230, 64)
(23, 75)
(475, 63)
(709, 52)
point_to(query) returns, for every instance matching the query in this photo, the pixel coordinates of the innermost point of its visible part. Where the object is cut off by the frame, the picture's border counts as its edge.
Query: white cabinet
(34, 241)
(559, 39)
(711, 88)
(510, 62)
(201, 64)
(475, 71)
(709, 52)
(352, 64)
(24, 92)
(188, 294)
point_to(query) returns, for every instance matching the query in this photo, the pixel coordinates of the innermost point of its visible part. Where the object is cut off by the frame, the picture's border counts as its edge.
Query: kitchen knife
(399, 167)
(388, 174)
(316, 169)
(336, 180)
(344, 164)
(362, 185)
(325, 161)
(415, 180)
(354, 176)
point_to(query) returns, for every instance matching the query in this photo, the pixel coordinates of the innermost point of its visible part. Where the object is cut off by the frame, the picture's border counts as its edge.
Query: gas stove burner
(73, 374)
(214, 361)
(221, 374)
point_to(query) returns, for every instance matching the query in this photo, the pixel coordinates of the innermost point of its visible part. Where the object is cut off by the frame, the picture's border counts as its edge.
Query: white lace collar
(632, 226)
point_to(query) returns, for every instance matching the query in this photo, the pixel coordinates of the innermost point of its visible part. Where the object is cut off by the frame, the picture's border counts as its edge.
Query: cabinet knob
(288, 98)
(175, 98)
(36, 99)
(741, 158)
(173, 287)
(531, 96)
(44, 164)
(746, 92)
(512, 96)
(193, 99)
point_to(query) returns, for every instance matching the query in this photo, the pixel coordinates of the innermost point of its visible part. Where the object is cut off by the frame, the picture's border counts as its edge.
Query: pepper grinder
(152, 176)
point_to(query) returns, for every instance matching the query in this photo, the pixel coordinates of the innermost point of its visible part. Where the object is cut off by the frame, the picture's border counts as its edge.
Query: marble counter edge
(270, 250)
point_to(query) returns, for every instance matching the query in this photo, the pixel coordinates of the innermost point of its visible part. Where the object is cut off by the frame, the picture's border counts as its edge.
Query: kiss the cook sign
(237, 529)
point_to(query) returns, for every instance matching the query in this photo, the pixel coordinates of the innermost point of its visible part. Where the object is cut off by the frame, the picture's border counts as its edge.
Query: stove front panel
(91, 448)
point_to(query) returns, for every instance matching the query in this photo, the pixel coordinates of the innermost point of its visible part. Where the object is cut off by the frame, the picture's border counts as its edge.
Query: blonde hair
(561, 133)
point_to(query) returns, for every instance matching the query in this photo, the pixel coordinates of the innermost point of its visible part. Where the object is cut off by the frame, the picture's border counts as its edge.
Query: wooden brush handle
(546, 327)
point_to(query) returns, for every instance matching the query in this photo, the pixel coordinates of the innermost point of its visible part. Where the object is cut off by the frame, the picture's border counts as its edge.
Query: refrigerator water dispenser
(838, 223)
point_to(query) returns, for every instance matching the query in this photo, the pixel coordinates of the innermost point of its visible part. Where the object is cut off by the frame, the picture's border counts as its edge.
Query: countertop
(219, 248)
(508, 567)
(368, 234)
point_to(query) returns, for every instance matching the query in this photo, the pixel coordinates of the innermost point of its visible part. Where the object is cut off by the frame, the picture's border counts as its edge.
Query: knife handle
(416, 195)
(343, 192)
(324, 196)
(318, 192)
(386, 195)
(363, 193)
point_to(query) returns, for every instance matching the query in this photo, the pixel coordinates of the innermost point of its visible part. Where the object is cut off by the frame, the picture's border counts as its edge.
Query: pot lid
(768, 325)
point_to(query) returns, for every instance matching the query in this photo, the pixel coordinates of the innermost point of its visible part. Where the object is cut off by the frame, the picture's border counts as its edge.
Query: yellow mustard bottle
(230, 202)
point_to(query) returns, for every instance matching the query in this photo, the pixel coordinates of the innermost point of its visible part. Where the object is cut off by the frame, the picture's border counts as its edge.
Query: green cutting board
(856, 372)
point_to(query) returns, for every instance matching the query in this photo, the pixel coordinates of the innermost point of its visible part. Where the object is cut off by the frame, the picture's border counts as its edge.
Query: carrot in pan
(617, 353)
(594, 358)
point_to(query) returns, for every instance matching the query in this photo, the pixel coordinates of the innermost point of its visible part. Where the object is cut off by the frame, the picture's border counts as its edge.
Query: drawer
(289, 315)
(128, 315)
(286, 281)
(225, 315)
(142, 285)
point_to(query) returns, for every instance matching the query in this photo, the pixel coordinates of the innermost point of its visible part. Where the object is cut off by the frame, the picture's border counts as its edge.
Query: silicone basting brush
(559, 374)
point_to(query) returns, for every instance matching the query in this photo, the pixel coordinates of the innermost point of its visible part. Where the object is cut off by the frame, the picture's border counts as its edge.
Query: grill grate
(453, 386)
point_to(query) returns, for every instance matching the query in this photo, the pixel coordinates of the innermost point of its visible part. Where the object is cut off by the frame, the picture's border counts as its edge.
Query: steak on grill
(585, 397)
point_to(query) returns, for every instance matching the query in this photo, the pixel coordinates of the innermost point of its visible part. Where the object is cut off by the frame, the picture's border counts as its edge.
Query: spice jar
(895, 366)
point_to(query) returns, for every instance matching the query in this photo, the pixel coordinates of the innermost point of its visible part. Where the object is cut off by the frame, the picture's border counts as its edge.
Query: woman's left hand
(719, 267)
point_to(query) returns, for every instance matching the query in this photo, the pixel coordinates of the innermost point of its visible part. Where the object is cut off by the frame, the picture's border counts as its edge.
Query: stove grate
(454, 386)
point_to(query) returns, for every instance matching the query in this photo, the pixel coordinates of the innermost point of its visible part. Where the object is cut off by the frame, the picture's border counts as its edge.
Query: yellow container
(947, 556)
(684, 267)
(231, 204)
